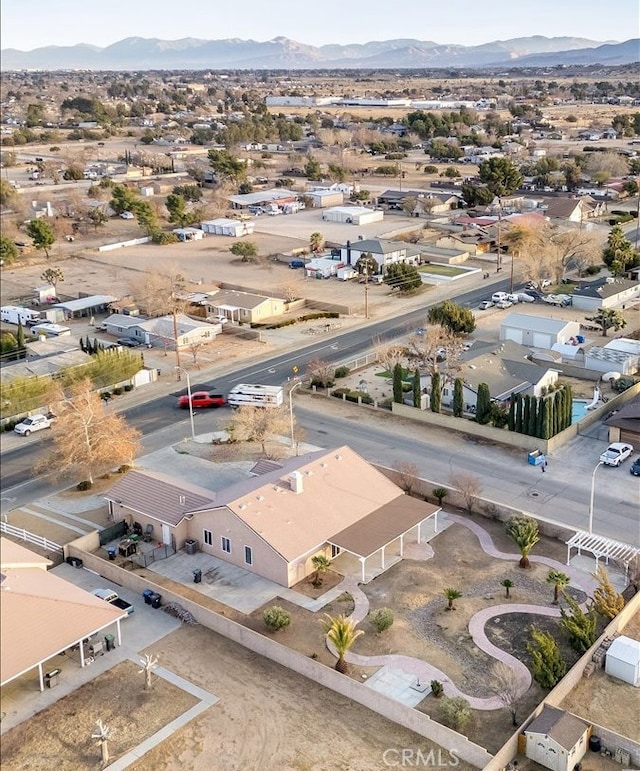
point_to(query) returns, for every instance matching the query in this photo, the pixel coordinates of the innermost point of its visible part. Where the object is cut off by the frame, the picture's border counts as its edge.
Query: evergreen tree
(579, 626)
(397, 384)
(557, 412)
(547, 417)
(511, 420)
(533, 416)
(483, 404)
(540, 413)
(458, 397)
(436, 394)
(416, 389)
(568, 406)
(606, 601)
(547, 665)
(519, 415)
(20, 337)
(95, 347)
(526, 413)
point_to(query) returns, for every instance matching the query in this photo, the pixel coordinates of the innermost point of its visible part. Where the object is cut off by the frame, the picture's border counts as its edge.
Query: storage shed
(536, 331)
(623, 660)
(228, 227)
(323, 267)
(323, 198)
(352, 215)
(555, 739)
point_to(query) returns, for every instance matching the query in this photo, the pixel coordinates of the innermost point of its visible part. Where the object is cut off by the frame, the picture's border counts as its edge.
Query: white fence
(25, 535)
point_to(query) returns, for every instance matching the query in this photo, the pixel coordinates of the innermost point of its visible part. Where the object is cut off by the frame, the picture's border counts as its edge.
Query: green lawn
(442, 270)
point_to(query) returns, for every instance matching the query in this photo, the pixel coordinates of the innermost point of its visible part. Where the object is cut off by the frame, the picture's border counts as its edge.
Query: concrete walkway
(405, 678)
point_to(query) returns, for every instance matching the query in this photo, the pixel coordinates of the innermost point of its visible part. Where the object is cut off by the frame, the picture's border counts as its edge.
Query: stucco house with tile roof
(273, 524)
(42, 615)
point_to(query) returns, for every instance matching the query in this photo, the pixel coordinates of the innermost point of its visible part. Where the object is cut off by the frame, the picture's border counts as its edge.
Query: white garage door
(513, 334)
(540, 340)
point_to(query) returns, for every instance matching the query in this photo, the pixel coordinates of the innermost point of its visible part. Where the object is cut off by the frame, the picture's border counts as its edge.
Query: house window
(226, 544)
(335, 550)
(445, 392)
(248, 555)
(207, 537)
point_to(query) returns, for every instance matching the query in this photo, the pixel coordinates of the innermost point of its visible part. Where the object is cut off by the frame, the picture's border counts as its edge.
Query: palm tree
(451, 595)
(440, 493)
(321, 564)
(558, 580)
(341, 633)
(316, 242)
(508, 584)
(524, 531)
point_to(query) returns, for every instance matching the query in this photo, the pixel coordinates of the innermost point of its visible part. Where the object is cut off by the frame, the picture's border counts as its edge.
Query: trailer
(255, 395)
(15, 314)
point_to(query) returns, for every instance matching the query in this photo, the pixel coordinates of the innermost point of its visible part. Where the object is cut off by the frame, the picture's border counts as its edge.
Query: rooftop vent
(296, 480)
(183, 500)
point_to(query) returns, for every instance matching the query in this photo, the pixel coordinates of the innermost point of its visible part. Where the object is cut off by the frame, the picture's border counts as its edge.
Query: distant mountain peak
(139, 53)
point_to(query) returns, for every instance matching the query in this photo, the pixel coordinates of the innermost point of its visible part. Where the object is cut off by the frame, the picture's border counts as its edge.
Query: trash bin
(51, 678)
(156, 600)
(148, 594)
(191, 546)
(111, 551)
(110, 642)
(197, 576)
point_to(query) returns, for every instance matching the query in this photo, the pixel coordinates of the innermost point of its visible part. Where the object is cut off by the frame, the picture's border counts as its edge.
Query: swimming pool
(578, 409)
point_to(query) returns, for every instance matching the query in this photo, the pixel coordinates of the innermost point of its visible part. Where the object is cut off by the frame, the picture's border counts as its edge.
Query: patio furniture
(148, 533)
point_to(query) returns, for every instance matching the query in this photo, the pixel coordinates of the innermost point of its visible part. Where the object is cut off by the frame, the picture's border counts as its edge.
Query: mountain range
(137, 53)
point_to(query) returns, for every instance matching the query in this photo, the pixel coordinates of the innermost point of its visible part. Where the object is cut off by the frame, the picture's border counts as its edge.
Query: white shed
(555, 739)
(322, 267)
(346, 273)
(228, 227)
(536, 331)
(623, 660)
(352, 215)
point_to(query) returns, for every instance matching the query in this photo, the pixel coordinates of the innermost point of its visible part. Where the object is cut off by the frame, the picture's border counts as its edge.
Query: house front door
(166, 535)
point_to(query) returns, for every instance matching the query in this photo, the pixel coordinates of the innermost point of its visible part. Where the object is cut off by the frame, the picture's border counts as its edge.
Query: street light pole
(186, 374)
(593, 492)
(291, 390)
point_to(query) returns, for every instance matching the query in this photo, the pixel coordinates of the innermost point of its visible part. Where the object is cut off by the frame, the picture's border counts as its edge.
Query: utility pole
(175, 342)
(499, 259)
(366, 293)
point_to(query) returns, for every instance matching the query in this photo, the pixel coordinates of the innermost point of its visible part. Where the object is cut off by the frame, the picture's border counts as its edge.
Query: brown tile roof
(338, 489)
(159, 496)
(383, 525)
(627, 417)
(42, 615)
(562, 727)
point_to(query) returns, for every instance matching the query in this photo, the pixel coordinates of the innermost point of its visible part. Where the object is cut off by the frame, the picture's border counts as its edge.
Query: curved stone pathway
(423, 672)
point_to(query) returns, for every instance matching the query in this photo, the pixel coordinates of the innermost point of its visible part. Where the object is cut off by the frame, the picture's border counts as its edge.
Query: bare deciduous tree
(149, 663)
(102, 734)
(506, 687)
(408, 474)
(158, 294)
(88, 437)
(436, 349)
(390, 355)
(257, 424)
(469, 487)
(321, 372)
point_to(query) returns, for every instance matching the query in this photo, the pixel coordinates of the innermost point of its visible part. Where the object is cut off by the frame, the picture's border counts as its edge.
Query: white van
(497, 297)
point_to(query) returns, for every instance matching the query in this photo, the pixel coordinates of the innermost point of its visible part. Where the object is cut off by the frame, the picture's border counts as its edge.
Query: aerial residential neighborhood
(320, 394)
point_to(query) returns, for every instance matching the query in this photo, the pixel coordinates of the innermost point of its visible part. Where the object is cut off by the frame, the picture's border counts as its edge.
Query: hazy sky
(29, 24)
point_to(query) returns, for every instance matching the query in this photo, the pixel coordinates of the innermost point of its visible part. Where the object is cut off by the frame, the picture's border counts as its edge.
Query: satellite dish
(609, 376)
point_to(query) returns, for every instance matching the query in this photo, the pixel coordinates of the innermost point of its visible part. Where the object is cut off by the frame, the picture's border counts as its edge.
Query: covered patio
(603, 548)
(379, 540)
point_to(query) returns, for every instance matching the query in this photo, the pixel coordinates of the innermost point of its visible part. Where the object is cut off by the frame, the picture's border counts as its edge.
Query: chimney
(296, 482)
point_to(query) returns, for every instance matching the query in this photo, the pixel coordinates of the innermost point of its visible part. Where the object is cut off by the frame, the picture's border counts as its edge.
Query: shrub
(123, 468)
(353, 396)
(164, 238)
(117, 391)
(276, 618)
(106, 395)
(455, 712)
(437, 689)
(84, 485)
(341, 372)
(128, 387)
(622, 383)
(382, 618)
(593, 270)
(340, 391)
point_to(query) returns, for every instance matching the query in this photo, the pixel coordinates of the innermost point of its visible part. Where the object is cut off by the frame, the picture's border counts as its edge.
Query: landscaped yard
(424, 629)
(443, 270)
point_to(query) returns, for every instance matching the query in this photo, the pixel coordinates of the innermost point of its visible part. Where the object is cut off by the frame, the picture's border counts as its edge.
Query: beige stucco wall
(179, 533)
(223, 522)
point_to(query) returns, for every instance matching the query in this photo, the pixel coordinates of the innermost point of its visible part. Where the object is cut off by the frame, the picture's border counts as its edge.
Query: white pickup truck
(108, 595)
(33, 423)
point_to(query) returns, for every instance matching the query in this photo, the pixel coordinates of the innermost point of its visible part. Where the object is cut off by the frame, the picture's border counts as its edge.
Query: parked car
(296, 264)
(497, 296)
(635, 467)
(33, 423)
(513, 298)
(526, 297)
(616, 453)
(202, 399)
(220, 319)
(485, 305)
(538, 284)
(128, 342)
(113, 599)
(504, 304)
(127, 215)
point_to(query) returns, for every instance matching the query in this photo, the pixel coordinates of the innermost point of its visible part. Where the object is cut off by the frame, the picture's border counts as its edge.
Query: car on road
(33, 423)
(202, 399)
(128, 342)
(635, 467)
(616, 453)
(502, 304)
(485, 305)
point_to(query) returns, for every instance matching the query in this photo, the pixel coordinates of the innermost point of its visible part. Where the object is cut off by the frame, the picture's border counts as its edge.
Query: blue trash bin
(148, 596)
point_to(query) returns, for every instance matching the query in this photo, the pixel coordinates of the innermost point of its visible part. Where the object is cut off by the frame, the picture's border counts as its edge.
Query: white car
(33, 423)
(616, 453)
(502, 304)
(219, 319)
(127, 215)
(497, 296)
